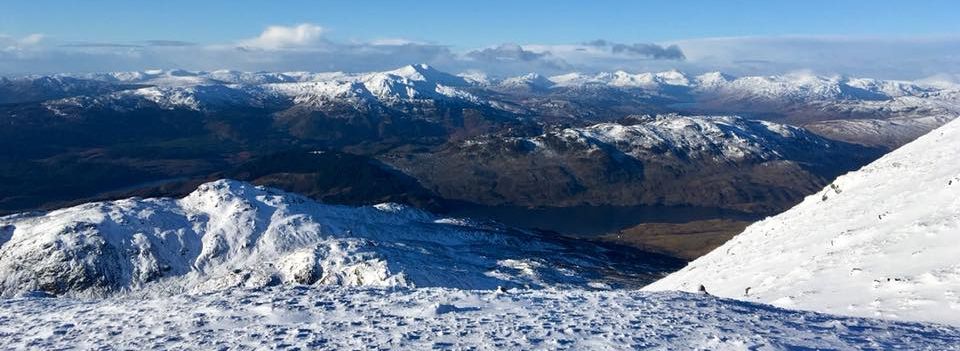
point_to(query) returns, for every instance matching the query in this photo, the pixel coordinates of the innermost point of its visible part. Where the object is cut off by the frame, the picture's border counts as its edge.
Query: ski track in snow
(437, 318)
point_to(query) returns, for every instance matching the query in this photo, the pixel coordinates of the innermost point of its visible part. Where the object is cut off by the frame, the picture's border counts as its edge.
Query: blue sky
(478, 23)
(41, 30)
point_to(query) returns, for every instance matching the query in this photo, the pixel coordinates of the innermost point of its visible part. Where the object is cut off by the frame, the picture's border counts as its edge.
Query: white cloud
(394, 41)
(8, 42)
(32, 39)
(281, 37)
(308, 47)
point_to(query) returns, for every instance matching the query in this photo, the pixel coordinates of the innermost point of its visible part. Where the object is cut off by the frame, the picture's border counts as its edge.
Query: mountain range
(470, 144)
(231, 259)
(794, 98)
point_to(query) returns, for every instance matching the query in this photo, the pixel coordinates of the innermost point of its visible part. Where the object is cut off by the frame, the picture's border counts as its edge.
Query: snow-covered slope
(891, 132)
(622, 79)
(232, 234)
(528, 82)
(879, 242)
(705, 138)
(41, 88)
(784, 88)
(332, 318)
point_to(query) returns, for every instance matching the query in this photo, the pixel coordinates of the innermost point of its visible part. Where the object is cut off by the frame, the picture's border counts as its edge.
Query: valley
(496, 175)
(379, 201)
(575, 154)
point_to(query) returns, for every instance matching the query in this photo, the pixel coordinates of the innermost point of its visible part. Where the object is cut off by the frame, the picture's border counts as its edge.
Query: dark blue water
(594, 220)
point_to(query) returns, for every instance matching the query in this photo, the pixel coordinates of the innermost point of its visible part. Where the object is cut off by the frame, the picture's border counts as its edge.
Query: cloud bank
(892, 58)
(308, 47)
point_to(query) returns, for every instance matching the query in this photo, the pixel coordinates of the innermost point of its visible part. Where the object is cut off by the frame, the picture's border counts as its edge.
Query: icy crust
(231, 234)
(434, 318)
(717, 138)
(878, 242)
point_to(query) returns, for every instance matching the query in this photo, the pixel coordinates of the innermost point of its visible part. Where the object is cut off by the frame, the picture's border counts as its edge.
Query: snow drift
(882, 241)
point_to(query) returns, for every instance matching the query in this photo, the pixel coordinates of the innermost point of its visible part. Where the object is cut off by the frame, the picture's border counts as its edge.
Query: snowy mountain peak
(878, 242)
(533, 81)
(713, 78)
(426, 73)
(417, 72)
(673, 77)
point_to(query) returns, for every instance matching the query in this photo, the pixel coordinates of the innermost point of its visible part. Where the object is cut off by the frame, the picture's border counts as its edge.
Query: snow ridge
(231, 234)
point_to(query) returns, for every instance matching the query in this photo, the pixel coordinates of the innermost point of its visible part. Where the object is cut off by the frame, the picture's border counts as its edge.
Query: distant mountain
(422, 90)
(800, 99)
(643, 160)
(42, 88)
(415, 84)
(878, 242)
(97, 134)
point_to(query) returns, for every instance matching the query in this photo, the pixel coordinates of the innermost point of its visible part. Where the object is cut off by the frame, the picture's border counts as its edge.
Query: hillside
(664, 160)
(878, 242)
(436, 318)
(230, 234)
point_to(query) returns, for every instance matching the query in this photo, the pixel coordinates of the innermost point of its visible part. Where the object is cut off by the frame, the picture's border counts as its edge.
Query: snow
(891, 132)
(199, 91)
(437, 318)
(712, 79)
(230, 234)
(234, 265)
(237, 266)
(422, 86)
(622, 79)
(475, 77)
(531, 80)
(722, 138)
(878, 242)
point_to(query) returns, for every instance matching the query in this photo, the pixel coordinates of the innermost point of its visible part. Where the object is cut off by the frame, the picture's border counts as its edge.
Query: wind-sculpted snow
(231, 234)
(434, 318)
(878, 242)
